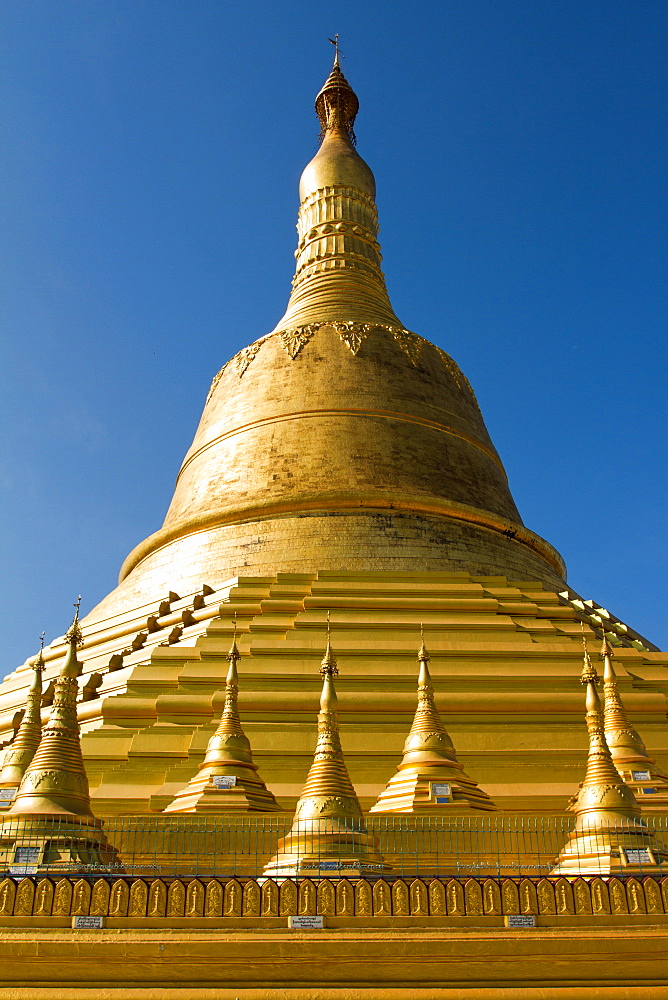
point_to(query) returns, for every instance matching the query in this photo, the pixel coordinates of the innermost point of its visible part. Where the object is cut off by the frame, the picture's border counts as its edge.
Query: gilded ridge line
(301, 414)
(350, 502)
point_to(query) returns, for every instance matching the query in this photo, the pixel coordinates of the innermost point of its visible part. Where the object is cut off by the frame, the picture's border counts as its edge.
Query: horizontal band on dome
(346, 502)
(307, 414)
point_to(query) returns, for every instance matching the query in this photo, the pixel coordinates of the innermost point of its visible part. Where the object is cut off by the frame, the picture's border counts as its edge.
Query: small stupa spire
(227, 780)
(328, 835)
(328, 789)
(24, 746)
(609, 834)
(429, 777)
(55, 780)
(626, 746)
(51, 816)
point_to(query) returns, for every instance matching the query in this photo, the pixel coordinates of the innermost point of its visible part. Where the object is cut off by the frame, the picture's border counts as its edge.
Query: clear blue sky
(149, 171)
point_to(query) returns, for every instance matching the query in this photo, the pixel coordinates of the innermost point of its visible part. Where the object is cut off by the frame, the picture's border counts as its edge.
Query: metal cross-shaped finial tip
(39, 662)
(335, 43)
(589, 675)
(74, 633)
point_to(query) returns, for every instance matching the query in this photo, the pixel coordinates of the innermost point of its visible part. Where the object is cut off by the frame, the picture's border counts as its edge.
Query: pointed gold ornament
(328, 836)
(609, 834)
(627, 749)
(430, 778)
(50, 825)
(56, 781)
(24, 747)
(227, 779)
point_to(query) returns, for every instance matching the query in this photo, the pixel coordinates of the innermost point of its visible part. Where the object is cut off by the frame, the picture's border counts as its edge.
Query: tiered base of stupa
(53, 843)
(436, 791)
(616, 849)
(647, 782)
(327, 848)
(505, 659)
(205, 796)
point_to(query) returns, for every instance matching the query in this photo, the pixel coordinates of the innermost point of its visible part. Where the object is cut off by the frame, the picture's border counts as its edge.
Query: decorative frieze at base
(402, 897)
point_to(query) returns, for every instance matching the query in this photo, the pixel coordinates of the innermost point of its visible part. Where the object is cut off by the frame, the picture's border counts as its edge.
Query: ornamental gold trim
(188, 897)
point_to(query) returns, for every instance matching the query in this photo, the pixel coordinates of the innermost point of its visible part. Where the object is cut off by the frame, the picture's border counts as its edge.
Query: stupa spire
(51, 817)
(23, 748)
(328, 835)
(338, 278)
(55, 780)
(430, 777)
(626, 746)
(227, 779)
(328, 790)
(609, 833)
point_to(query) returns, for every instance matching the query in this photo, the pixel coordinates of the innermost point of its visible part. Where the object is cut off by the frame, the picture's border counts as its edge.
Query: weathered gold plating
(385, 421)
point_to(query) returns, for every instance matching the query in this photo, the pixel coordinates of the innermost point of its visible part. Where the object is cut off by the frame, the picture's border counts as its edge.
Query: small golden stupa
(609, 835)
(227, 780)
(50, 823)
(429, 779)
(328, 836)
(626, 746)
(24, 746)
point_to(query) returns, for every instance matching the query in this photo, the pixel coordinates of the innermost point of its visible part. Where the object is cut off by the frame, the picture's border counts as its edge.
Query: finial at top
(328, 665)
(234, 653)
(335, 43)
(606, 648)
(423, 655)
(74, 633)
(589, 675)
(39, 662)
(336, 105)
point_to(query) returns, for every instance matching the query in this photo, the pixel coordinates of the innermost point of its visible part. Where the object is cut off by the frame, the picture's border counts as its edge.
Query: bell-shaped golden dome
(341, 440)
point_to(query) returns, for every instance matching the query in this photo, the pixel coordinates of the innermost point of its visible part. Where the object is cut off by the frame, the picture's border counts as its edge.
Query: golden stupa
(628, 752)
(609, 835)
(366, 440)
(328, 837)
(227, 780)
(429, 776)
(341, 471)
(50, 819)
(24, 745)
